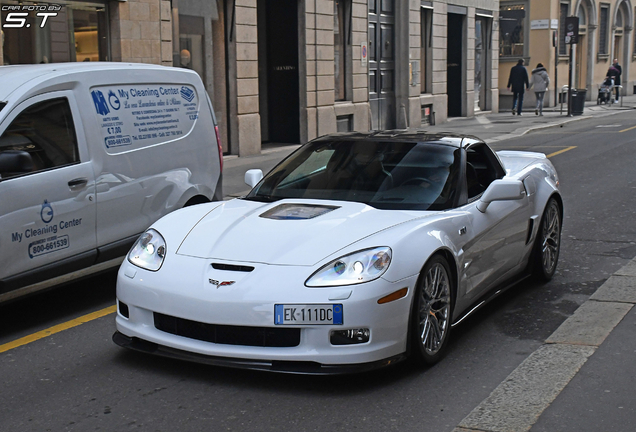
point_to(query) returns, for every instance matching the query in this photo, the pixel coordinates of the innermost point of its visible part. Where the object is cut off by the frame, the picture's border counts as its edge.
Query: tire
(548, 242)
(432, 312)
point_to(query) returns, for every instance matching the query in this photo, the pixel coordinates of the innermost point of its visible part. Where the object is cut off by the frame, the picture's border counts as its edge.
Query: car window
(482, 168)
(45, 130)
(383, 174)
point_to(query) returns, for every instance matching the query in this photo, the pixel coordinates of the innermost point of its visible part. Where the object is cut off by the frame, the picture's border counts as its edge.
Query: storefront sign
(539, 24)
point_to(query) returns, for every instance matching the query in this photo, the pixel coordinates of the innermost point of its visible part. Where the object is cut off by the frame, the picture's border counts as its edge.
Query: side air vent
(230, 267)
(530, 228)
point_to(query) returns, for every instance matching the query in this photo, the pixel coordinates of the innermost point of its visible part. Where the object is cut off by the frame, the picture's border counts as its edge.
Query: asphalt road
(78, 380)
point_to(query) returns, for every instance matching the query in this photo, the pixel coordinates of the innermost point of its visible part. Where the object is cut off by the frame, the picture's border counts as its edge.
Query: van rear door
(47, 215)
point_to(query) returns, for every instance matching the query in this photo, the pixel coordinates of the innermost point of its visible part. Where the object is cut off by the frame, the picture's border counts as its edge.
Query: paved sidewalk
(504, 125)
(581, 379)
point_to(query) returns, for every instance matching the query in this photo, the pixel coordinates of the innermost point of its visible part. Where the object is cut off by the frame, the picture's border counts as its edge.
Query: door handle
(77, 183)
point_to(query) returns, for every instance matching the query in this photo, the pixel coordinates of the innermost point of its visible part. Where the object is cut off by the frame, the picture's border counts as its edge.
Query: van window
(44, 130)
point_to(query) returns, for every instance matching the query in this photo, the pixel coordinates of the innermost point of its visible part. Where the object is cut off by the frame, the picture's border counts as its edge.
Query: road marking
(625, 130)
(56, 329)
(608, 126)
(560, 151)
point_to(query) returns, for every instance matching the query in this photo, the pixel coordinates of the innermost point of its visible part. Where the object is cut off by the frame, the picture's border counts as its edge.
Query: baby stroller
(605, 91)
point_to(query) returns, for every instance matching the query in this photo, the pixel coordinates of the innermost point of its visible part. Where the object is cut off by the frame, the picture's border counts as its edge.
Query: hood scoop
(297, 211)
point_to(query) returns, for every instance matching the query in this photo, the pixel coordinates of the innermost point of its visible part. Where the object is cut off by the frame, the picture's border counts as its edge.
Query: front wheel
(548, 242)
(432, 308)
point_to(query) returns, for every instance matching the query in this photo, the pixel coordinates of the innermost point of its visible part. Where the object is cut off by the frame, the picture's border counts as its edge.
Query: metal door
(49, 214)
(382, 63)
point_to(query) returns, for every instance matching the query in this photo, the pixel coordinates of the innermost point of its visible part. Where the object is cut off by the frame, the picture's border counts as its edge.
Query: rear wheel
(432, 308)
(548, 242)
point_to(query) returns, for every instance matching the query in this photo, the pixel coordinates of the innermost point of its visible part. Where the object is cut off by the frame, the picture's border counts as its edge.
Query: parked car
(91, 154)
(355, 252)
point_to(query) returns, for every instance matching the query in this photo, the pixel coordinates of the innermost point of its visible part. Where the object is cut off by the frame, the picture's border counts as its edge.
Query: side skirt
(491, 295)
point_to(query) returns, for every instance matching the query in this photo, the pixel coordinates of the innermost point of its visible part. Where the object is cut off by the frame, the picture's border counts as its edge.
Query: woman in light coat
(540, 81)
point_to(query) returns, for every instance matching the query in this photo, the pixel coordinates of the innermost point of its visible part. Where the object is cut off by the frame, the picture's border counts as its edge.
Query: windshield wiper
(263, 198)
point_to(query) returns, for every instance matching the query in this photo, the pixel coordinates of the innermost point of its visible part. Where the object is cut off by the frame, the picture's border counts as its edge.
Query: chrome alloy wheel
(551, 238)
(434, 313)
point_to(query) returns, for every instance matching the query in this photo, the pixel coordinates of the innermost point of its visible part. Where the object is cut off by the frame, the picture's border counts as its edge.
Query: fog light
(350, 337)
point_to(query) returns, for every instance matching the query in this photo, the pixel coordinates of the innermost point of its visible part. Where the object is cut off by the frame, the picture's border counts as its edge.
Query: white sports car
(355, 252)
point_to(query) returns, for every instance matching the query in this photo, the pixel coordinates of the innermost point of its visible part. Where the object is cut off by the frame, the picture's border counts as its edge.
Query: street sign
(571, 30)
(363, 54)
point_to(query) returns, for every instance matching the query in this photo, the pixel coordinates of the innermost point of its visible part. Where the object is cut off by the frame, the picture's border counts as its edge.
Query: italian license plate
(317, 314)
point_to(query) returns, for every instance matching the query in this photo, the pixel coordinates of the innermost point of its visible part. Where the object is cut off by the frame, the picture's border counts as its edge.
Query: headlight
(149, 251)
(358, 267)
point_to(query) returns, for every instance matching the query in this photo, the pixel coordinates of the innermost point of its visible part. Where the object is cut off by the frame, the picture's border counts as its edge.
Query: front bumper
(284, 366)
(181, 289)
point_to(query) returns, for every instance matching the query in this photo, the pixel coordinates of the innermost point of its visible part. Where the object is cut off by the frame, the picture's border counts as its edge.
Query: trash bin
(578, 101)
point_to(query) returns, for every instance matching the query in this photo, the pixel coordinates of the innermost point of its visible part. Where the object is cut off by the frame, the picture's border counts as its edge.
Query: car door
(47, 215)
(495, 239)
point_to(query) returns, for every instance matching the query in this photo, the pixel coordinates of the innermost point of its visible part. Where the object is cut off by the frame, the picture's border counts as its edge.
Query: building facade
(605, 33)
(287, 71)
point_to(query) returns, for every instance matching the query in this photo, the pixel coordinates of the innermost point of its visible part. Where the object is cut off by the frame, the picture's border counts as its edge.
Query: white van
(91, 154)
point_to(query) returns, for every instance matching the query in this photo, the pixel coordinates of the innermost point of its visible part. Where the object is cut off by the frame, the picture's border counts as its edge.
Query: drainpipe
(176, 51)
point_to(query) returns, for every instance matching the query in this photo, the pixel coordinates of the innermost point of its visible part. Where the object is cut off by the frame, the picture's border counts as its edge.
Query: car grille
(226, 334)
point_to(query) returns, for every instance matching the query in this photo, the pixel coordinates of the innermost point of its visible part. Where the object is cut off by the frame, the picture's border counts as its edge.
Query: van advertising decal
(136, 116)
(44, 240)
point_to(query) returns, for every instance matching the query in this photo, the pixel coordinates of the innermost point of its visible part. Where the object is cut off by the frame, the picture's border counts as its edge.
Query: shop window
(341, 46)
(563, 14)
(426, 60)
(45, 130)
(512, 24)
(79, 32)
(603, 30)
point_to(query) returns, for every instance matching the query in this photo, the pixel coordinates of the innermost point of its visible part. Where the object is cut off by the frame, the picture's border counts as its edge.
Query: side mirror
(501, 190)
(253, 176)
(15, 161)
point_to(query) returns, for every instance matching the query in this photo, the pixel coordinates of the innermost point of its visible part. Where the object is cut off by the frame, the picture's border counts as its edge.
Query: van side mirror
(253, 176)
(15, 161)
(501, 190)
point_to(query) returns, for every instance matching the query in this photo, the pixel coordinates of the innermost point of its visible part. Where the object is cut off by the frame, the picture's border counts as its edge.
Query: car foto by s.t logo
(17, 16)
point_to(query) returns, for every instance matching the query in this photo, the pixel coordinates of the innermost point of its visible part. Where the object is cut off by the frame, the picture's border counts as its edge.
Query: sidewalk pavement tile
(590, 324)
(628, 270)
(517, 403)
(617, 289)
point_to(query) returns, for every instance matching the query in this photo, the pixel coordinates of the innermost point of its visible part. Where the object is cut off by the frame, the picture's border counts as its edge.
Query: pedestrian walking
(518, 80)
(540, 81)
(615, 71)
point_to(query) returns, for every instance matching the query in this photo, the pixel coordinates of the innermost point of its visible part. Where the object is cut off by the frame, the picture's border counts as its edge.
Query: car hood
(278, 233)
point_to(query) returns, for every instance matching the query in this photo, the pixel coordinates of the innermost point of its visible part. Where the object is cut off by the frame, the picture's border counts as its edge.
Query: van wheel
(432, 312)
(198, 199)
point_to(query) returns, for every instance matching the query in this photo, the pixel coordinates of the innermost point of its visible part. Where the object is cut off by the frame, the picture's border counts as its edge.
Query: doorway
(279, 97)
(454, 64)
(382, 64)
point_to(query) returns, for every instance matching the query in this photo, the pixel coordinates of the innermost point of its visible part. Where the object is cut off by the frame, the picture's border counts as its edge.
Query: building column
(248, 118)
(628, 86)
(136, 29)
(591, 61)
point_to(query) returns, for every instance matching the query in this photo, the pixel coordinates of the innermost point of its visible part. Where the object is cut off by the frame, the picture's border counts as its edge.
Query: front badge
(219, 284)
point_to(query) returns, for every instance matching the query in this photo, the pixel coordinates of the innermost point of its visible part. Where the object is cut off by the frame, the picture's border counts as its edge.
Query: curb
(523, 131)
(518, 402)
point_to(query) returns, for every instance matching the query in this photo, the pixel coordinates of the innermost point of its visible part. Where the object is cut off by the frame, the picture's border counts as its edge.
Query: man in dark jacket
(518, 80)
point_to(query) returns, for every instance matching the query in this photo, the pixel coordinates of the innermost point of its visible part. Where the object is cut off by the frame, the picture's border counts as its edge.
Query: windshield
(383, 174)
